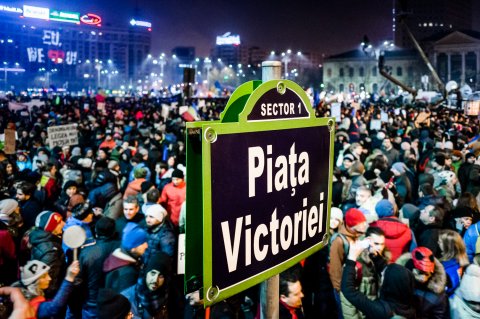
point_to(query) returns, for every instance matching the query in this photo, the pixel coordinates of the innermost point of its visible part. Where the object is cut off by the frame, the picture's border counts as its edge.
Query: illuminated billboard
(36, 12)
(10, 9)
(138, 23)
(91, 19)
(228, 39)
(63, 16)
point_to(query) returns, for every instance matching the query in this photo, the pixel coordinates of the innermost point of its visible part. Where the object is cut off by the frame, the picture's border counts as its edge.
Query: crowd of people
(404, 221)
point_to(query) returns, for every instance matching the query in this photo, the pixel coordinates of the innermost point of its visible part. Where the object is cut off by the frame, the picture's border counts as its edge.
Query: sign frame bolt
(281, 87)
(325, 239)
(210, 135)
(212, 293)
(330, 125)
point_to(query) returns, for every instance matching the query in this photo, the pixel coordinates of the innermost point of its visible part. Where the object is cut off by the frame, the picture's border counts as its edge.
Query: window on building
(399, 71)
(374, 71)
(341, 87)
(341, 73)
(361, 71)
(351, 72)
(410, 71)
(329, 72)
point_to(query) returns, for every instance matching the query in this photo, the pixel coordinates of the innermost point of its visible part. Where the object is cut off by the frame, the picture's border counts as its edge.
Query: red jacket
(172, 199)
(398, 236)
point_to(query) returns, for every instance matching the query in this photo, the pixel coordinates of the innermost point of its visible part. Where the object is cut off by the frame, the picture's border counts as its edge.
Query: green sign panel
(258, 189)
(64, 16)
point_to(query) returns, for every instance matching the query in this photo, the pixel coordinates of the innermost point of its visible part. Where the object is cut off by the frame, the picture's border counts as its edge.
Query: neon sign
(139, 23)
(228, 39)
(91, 19)
(10, 9)
(63, 16)
(36, 12)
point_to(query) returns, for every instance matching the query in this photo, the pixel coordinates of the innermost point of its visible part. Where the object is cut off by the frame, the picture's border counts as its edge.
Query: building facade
(356, 71)
(43, 47)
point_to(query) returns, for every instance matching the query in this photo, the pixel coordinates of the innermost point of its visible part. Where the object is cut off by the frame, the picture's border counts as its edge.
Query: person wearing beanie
(150, 293)
(430, 281)
(354, 227)
(463, 172)
(399, 238)
(46, 246)
(161, 236)
(10, 213)
(396, 295)
(336, 219)
(35, 279)
(173, 196)
(91, 260)
(70, 188)
(122, 267)
(137, 164)
(112, 305)
(465, 303)
(460, 219)
(402, 183)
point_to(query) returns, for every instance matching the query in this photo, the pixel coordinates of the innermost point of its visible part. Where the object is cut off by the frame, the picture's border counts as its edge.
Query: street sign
(265, 188)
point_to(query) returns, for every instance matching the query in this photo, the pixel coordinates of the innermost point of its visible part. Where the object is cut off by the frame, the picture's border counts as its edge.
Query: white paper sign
(384, 116)
(62, 135)
(376, 125)
(336, 111)
(181, 255)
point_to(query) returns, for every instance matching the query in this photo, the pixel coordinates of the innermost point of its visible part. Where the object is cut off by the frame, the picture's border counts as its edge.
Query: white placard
(336, 109)
(384, 117)
(62, 135)
(181, 255)
(375, 125)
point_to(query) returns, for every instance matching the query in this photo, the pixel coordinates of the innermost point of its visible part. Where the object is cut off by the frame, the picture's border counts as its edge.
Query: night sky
(324, 26)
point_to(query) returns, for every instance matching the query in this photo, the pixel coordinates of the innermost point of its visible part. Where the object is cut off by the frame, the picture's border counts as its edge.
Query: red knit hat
(353, 217)
(423, 259)
(48, 220)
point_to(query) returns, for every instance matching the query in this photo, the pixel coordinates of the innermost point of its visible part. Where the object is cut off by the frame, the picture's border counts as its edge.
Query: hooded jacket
(47, 248)
(338, 256)
(397, 236)
(430, 298)
(396, 293)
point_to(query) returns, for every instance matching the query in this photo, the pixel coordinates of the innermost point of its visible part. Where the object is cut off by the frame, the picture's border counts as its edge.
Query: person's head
(387, 144)
(70, 188)
(112, 305)
(10, 212)
(145, 187)
(24, 191)
(156, 269)
(398, 285)
(384, 208)
(51, 168)
(155, 214)
(376, 237)
(426, 189)
(290, 290)
(399, 168)
(153, 195)
(348, 161)
(470, 158)
(362, 195)
(130, 207)
(105, 227)
(336, 218)
(139, 172)
(50, 222)
(177, 177)
(467, 199)
(452, 246)
(134, 240)
(431, 215)
(171, 161)
(83, 212)
(355, 220)
(356, 148)
(357, 168)
(34, 276)
(423, 264)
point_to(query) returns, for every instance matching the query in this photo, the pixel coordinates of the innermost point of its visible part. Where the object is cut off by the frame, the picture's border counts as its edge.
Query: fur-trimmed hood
(437, 282)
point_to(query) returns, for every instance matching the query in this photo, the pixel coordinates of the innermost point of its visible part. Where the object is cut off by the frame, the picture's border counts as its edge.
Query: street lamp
(286, 59)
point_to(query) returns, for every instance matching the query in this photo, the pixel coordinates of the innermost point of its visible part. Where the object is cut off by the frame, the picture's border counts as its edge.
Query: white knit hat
(7, 207)
(32, 271)
(335, 213)
(156, 211)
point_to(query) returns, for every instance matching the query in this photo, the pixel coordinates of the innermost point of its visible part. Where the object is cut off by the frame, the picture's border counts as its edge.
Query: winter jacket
(398, 236)
(121, 222)
(47, 248)
(285, 312)
(427, 236)
(338, 256)
(172, 199)
(474, 180)
(430, 298)
(91, 260)
(114, 207)
(29, 210)
(8, 263)
(470, 239)
(121, 271)
(161, 238)
(100, 196)
(131, 176)
(459, 309)
(396, 294)
(134, 187)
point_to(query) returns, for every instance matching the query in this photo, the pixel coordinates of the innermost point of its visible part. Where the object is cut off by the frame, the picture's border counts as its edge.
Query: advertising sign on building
(266, 184)
(62, 135)
(228, 39)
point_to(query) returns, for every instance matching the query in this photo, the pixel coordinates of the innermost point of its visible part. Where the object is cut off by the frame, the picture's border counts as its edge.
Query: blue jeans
(336, 294)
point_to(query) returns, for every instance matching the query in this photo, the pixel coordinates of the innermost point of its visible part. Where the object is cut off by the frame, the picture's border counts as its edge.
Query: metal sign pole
(270, 289)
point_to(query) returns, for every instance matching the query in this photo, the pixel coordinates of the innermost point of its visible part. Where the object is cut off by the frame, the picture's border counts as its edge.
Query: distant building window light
(450, 26)
(419, 24)
(424, 24)
(441, 24)
(430, 24)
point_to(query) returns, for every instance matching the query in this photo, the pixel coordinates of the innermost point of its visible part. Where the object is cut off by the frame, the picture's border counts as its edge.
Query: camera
(364, 243)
